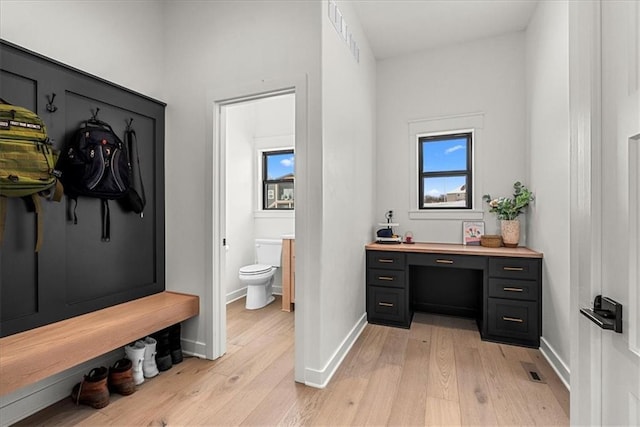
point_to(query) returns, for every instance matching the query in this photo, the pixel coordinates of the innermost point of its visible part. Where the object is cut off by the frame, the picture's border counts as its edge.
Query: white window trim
(473, 122)
(275, 214)
(258, 211)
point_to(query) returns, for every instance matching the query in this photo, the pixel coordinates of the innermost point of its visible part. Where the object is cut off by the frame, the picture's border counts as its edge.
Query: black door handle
(606, 313)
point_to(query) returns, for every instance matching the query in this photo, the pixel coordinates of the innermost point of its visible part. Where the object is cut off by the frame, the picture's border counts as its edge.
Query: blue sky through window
(446, 155)
(279, 165)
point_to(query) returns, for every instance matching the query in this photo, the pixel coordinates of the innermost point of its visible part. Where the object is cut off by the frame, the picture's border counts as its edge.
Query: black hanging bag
(135, 199)
(96, 164)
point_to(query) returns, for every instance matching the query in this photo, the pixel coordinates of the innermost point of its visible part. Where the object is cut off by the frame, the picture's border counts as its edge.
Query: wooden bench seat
(33, 355)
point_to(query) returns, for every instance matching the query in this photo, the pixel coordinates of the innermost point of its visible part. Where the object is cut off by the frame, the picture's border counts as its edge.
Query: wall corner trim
(556, 362)
(320, 378)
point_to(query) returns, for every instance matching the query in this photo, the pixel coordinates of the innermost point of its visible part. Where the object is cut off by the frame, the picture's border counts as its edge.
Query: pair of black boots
(169, 349)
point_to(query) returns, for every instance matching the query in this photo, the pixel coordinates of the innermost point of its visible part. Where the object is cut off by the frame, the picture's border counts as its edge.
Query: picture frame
(471, 232)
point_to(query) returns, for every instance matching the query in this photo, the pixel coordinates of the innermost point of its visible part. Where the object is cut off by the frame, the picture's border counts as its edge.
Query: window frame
(467, 172)
(265, 181)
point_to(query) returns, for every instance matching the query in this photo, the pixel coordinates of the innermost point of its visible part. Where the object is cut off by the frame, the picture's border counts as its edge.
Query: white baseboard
(320, 378)
(241, 293)
(236, 295)
(35, 397)
(194, 348)
(556, 362)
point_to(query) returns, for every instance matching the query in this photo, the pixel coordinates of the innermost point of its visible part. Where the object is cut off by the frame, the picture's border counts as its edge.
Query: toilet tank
(268, 251)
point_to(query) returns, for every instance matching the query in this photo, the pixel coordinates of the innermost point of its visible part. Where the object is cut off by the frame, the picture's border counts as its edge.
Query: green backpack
(27, 162)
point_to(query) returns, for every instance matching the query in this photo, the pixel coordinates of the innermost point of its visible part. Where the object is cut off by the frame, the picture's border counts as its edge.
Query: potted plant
(508, 210)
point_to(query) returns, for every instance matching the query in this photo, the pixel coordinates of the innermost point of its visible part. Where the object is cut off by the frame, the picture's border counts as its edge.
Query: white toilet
(259, 277)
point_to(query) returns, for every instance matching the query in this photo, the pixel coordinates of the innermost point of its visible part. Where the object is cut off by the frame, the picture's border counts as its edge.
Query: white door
(620, 156)
(605, 220)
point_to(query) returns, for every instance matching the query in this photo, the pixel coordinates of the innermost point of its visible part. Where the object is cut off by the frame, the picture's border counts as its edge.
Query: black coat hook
(94, 114)
(128, 122)
(50, 107)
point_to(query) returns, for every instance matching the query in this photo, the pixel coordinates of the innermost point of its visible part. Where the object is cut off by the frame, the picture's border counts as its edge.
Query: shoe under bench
(33, 355)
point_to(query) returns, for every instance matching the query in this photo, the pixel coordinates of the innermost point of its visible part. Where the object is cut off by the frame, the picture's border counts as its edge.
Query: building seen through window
(278, 180)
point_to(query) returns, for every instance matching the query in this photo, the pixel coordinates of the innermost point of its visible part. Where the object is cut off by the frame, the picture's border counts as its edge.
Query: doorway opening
(245, 129)
(259, 192)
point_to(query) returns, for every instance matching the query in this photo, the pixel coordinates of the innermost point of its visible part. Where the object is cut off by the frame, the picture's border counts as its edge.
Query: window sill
(275, 214)
(447, 214)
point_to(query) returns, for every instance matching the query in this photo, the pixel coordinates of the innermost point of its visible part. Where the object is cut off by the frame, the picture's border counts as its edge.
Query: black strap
(33, 205)
(39, 223)
(132, 142)
(106, 218)
(106, 221)
(75, 208)
(3, 216)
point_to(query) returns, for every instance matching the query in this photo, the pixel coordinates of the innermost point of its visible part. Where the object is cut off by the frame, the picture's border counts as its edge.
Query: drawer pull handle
(385, 304)
(512, 319)
(390, 279)
(513, 289)
(513, 268)
(444, 261)
(388, 261)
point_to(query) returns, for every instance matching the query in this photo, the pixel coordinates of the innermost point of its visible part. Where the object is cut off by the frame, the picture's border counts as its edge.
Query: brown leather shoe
(121, 378)
(92, 390)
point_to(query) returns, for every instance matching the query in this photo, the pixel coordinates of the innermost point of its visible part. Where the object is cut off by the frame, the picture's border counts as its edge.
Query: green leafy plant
(510, 208)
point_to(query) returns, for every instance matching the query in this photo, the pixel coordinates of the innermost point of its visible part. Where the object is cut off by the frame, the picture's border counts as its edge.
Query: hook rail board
(75, 272)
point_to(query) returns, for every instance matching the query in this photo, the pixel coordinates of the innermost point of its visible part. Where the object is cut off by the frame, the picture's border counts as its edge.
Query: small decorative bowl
(491, 241)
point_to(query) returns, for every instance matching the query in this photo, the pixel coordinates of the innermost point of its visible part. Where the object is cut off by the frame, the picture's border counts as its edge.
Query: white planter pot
(510, 230)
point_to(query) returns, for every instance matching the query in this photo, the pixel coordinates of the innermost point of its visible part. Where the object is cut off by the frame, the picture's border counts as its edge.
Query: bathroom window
(278, 180)
(444, 171)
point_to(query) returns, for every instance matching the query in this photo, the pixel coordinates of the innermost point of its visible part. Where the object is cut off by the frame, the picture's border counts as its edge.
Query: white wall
(547, 47)
(348, 113)
(124, 45)
(216, 50)
(485, 76)
(240, 188)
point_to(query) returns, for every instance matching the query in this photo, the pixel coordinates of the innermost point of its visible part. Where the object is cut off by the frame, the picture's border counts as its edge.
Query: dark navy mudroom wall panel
(75, 272)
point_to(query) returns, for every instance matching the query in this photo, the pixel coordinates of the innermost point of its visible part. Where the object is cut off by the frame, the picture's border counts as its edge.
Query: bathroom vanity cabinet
(288, 274)
(500, 287)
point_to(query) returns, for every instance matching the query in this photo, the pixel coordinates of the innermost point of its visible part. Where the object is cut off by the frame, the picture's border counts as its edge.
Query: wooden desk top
(450, 248)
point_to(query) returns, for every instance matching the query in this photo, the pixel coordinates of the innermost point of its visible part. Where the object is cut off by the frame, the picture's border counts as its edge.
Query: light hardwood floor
(438, 372)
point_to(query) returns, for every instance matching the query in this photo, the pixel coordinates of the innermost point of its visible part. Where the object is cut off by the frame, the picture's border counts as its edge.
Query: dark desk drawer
(447, 260)
(514, 289)
(386, 304)
(393, 278)
(515, 268)
(514, 319)
(379, 259)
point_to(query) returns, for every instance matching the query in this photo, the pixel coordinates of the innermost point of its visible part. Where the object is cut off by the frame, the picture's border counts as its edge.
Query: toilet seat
(255, 269)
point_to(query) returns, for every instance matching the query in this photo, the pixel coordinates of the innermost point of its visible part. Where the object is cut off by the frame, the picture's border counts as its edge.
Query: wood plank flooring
(438, 372)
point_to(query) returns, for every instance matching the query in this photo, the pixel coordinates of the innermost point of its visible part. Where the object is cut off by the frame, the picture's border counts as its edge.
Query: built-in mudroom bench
(500, 287)
(33, 355)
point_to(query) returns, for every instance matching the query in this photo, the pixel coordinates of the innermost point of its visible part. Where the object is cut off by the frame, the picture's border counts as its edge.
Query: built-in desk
(500, 287)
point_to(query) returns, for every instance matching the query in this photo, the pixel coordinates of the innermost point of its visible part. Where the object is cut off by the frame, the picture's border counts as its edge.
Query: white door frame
(585, 81)
(214, 303)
